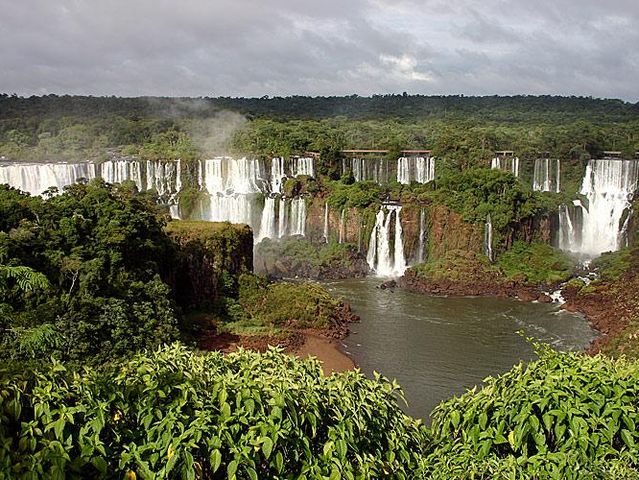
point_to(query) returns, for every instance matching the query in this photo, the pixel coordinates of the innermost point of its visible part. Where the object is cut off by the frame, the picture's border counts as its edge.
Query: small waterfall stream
(488, 238)
(422, 235)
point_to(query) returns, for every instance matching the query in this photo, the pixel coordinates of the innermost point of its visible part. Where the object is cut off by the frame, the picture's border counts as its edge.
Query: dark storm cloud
(258, 47)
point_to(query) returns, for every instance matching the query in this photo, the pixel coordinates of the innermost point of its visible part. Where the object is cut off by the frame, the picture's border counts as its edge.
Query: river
(437, 347)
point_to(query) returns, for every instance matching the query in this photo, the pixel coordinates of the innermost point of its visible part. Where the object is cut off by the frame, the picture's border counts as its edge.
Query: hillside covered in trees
(466, 130)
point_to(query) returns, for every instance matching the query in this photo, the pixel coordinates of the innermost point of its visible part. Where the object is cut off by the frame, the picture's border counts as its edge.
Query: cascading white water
(298, 216)
(488, 238)
(547, 175)
(342, 226)
(422, 234)
(278, 174)
(370, 169)
(268, 227)
(510, 164)
(35, 178)
(282, 224)
(379, 257)
(234, 188)
(302, 166)
(417, 169)
(608, 186)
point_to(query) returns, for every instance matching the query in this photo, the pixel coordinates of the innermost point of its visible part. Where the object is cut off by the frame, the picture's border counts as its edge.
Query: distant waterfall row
(379, 170)
(237, 190)
(599, 224)
(35, 178)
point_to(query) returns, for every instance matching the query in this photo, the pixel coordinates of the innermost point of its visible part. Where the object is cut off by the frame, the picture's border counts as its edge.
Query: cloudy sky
(320, 47)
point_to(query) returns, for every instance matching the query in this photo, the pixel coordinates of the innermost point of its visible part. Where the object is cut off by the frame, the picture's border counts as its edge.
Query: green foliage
(612, 266)
(457, 266)
(565, 416)
(81, 274)
(476, 193)
(299, 305)
(355, 195)
(300, 257)
(175, 414)
(536, 263)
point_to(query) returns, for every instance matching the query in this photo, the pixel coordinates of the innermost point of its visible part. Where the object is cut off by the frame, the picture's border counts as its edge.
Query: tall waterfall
(510, 164)
(387, 262)
(608, 186)
(268, 226)
(239, 191)
(278, 174)
(488, 238)
(547, 175)
(417, 169)
(298, 217)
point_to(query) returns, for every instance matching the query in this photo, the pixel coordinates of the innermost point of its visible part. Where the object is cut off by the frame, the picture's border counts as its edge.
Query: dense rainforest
(463, 130)
(109, 308)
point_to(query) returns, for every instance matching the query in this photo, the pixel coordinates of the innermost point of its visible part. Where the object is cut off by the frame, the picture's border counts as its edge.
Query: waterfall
(268, 228)
(422, 233)
(342, 226)
(278, 174)
(417, 169)
(281, 218)
(370, 169)
(510, 164)
(608, 186)
(35, 178)
(326, 222)
(547, 175)
(298, 216)
(235, 191)
(379, 256)
(303, 166)
(488, 238)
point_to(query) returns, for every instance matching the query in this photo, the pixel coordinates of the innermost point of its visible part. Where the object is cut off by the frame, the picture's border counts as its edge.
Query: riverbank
(610, 304)
(302, 344)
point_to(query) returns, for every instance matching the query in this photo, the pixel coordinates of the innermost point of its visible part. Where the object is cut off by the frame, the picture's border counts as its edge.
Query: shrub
(176, 414)
(539, 262)
(565, 416)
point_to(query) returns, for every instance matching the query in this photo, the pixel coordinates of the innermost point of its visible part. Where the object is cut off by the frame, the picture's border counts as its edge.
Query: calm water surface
(438, 347)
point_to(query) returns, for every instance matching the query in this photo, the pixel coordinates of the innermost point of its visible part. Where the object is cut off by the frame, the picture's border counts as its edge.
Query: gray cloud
(285, 47)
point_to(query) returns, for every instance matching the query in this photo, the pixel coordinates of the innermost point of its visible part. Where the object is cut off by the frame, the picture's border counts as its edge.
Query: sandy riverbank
(327, 351)
(302, 344)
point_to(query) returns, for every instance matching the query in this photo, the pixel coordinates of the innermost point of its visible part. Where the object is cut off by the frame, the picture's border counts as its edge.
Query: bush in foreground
(565, 416)
(176, 414)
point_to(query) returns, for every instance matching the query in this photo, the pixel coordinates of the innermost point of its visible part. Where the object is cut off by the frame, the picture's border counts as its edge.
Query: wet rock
(543, 298)
(388, 284)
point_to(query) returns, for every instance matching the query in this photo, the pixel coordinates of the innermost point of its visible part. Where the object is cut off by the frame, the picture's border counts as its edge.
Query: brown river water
(437, 347)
